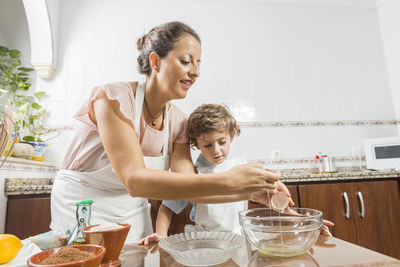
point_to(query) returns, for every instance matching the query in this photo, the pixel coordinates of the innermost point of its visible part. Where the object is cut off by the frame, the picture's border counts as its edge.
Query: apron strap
(166, 131)
(140, 89)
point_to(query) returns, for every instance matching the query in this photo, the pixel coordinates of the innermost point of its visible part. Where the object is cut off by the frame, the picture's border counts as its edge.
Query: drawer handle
(346, 200)
(360, 197)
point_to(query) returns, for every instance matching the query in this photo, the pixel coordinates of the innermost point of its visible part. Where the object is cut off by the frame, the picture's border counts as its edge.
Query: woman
(130, 135)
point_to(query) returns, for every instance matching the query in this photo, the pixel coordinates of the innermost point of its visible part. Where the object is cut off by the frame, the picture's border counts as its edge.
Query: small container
(83, 211)
(328, 164)
(39, 148)
(318, 163)
(279, 201)
(112, 239)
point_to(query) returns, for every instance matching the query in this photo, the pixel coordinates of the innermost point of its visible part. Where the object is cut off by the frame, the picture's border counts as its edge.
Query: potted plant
(30, 116)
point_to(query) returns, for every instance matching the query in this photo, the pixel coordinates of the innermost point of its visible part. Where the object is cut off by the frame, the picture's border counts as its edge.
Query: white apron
(111, 200)
(223, 216)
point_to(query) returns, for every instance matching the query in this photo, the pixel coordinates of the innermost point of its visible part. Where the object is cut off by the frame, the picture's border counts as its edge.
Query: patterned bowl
(202, 248)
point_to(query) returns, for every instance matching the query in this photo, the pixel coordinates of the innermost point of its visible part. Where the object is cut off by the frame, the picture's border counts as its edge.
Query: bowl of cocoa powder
(69, 256)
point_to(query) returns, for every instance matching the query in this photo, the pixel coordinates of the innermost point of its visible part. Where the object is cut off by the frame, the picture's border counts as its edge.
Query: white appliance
(382, 153)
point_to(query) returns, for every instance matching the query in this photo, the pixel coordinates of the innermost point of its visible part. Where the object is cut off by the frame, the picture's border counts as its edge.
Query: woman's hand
(251, 178)
(281, 187)
(264, 196)
(150, 242)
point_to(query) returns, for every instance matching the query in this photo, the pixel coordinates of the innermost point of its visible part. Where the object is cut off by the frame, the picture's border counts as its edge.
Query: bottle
(318, 162)
(83, 210)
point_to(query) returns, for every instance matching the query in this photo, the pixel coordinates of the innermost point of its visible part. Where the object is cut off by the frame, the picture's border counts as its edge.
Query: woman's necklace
(153, 122)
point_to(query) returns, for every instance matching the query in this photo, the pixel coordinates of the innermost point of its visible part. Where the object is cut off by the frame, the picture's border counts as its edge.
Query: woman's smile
(187, 83)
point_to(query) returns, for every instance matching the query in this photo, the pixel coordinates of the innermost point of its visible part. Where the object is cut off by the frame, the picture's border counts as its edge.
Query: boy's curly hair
(210, 117)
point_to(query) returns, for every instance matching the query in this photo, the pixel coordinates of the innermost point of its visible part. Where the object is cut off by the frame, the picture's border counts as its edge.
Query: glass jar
(83, 211)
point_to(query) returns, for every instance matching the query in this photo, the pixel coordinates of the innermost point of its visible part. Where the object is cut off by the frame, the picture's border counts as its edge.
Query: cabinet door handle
(360, 197)
(346, 200)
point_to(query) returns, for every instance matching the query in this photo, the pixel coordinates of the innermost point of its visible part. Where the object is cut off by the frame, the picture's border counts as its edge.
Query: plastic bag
(51, 239)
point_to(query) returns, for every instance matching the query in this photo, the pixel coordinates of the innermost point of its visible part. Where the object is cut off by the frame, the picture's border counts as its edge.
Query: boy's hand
(150, 242)
(325, 223)
(325, 229)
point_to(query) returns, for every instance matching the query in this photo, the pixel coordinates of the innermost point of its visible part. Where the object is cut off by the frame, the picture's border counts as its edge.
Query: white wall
(389, 19)
(269, 60)
(14, 32)
(13, 27)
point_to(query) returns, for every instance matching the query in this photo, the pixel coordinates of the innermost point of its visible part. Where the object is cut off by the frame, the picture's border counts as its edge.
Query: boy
(211, 129)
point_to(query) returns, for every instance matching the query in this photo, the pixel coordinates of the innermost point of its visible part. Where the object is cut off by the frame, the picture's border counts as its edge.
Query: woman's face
(181, 67)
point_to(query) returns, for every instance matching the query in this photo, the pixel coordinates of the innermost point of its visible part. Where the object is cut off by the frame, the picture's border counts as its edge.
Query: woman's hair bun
(141, 42)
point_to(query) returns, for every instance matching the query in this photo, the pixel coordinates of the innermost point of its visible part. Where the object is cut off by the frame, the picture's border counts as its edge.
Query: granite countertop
(343, 174)
(28, 186)
(25, 177)
(42, 185)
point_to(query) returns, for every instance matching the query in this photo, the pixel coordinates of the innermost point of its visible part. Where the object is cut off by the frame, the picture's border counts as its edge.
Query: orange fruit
(9, 247)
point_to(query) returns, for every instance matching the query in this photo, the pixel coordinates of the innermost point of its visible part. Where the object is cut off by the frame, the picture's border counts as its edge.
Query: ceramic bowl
(113, 240)
(94, 261)
(281, 235)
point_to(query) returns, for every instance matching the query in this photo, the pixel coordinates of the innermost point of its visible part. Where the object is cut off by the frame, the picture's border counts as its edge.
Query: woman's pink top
(86, 152)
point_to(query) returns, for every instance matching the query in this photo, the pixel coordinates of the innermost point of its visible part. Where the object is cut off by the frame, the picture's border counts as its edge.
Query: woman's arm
(181, 161)
(220, 198)
(123, 149)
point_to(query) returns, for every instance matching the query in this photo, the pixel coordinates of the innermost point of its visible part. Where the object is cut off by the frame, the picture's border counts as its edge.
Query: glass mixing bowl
(276, 234)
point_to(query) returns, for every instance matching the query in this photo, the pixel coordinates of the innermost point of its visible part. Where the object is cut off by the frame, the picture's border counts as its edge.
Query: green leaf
(6, 74)
(14, 53)
(25, 69)
(16, 63)
(3, 49)
(21, 84)
(38, 95)
(28, 138)
(36, 105)
(25, 87)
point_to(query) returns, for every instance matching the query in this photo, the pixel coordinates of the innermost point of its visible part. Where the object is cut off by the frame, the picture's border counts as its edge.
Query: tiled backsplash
(301, 162)
(319, 123)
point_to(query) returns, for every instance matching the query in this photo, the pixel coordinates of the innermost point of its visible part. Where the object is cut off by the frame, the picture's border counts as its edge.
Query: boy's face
(215, 145)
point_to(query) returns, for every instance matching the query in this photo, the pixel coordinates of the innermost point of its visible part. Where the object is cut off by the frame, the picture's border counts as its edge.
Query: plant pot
(40, 149)
(23, 150)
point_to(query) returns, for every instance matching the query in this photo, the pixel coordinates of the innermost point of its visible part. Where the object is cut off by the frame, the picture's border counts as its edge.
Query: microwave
(382, 153)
